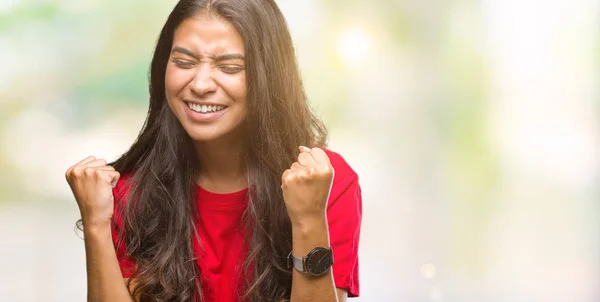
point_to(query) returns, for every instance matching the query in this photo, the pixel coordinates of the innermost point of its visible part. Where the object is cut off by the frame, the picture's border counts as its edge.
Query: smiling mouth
(205, 108)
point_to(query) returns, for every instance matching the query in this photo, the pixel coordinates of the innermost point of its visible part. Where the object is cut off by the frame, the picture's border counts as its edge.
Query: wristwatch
(316, 263)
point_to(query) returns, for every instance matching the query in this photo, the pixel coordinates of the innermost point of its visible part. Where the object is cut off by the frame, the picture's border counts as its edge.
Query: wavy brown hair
(160, 212)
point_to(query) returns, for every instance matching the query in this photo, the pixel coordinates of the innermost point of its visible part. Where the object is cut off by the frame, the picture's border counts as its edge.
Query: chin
(203, 136)
(213, 132)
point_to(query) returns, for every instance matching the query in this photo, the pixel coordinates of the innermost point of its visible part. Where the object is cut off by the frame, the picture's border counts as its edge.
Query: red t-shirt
(222, 253)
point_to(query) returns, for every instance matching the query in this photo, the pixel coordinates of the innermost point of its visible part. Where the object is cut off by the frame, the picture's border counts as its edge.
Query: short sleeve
(126, 264)
(344, 215)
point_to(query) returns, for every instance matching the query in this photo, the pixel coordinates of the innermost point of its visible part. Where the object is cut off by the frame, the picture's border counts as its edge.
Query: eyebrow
(223, 57)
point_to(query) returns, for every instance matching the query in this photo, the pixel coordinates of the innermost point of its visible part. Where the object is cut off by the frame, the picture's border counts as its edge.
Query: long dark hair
(160, 213)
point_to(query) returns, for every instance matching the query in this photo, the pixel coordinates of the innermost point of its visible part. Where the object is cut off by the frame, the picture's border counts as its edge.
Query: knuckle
(77, 171)
(89, 171)
(304, 175)
(289, 177)
(321, 172)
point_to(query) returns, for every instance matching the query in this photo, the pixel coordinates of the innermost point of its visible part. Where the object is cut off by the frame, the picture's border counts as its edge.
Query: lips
(204, 108)
(204, 113)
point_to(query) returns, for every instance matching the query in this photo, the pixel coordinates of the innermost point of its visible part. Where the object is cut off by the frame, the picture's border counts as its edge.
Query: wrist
(307, 225)
(309, 233)
(96, 226)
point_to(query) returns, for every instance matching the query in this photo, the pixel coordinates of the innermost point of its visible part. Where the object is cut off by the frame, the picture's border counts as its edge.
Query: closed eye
(183, 64)
(231, 69)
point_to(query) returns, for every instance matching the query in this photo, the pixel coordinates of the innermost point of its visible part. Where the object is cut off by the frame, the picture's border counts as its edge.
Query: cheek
(237, 88)
(175, 81)
(243, 88)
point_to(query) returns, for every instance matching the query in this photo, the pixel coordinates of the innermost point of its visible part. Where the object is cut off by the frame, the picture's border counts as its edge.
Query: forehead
(208, 36)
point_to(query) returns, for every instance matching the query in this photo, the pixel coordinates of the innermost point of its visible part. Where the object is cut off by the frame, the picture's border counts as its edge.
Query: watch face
(319, 261)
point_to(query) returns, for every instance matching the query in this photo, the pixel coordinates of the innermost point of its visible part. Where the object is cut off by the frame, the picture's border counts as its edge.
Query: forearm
(305, 237)
(104, 278)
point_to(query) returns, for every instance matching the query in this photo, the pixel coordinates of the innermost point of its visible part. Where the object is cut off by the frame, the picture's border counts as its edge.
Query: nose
(203, 83)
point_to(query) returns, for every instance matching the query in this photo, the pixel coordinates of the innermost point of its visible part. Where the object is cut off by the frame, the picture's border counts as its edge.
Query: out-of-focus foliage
(474, 127)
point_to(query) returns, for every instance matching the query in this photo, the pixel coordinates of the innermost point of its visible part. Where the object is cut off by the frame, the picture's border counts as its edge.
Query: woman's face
(205, 80)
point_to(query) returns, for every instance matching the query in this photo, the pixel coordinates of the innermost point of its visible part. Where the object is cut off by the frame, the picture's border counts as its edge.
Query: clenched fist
(91, 181)
(306, 185)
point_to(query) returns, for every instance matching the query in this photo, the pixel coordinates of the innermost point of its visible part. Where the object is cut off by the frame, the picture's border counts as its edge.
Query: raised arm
(325, 218)
(91, 181)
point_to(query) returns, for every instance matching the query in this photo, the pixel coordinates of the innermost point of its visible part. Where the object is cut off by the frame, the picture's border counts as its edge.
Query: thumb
(114, 178)
(304, 149)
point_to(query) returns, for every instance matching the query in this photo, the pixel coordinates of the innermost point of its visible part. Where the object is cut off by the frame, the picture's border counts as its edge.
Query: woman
(218, 199)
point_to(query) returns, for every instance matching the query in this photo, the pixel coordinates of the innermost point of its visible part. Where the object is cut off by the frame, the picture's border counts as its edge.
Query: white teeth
(205, 108)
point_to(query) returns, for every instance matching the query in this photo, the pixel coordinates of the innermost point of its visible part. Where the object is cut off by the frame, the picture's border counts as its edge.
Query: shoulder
(343, 170)
(344, 216)
(345, 188)
(344, 207)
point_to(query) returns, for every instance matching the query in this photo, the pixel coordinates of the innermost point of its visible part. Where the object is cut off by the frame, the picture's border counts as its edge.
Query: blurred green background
(474, 127)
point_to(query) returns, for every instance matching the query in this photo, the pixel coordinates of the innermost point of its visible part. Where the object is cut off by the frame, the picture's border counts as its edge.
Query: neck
(221, 167)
